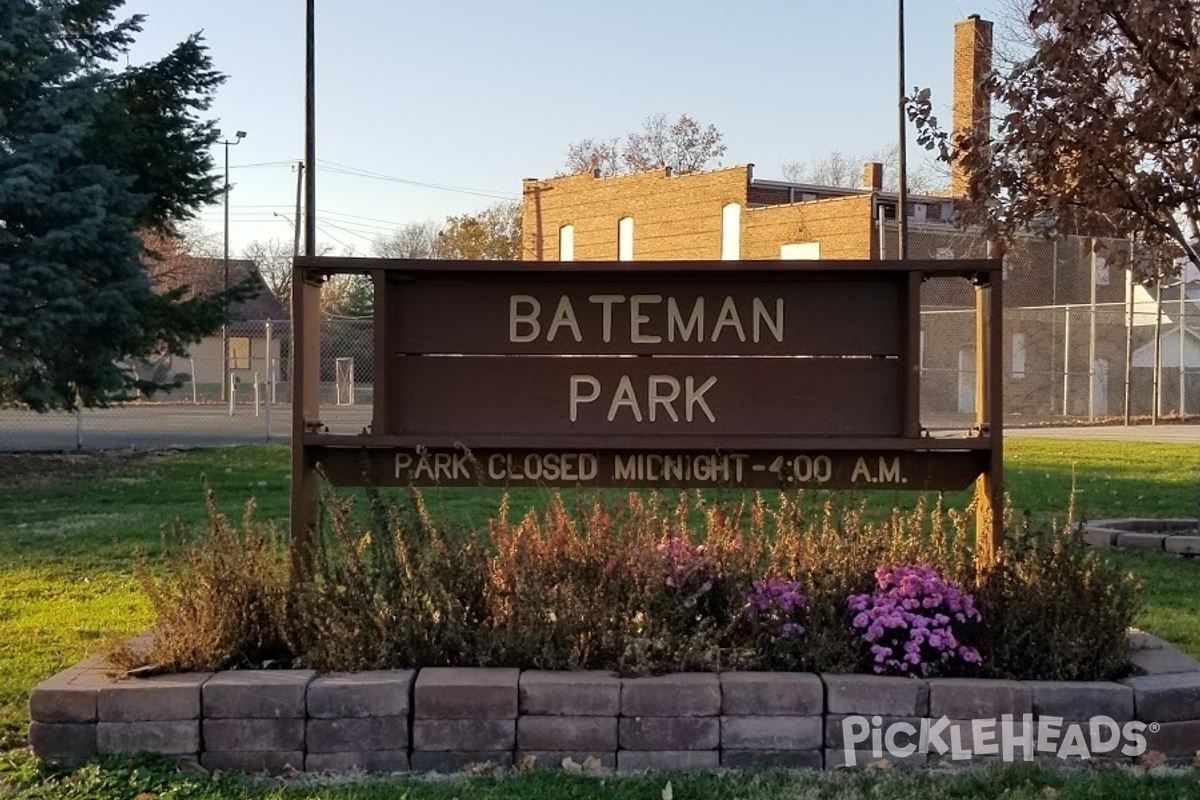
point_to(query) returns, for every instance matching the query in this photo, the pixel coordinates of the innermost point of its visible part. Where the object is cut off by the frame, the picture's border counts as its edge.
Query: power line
(344, 169)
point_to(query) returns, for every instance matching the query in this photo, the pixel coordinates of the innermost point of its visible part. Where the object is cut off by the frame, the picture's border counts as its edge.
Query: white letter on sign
(564, 317)
(516, 319)
(695, 397)
(577, 398)
(607, 301)
(665, 398)
(637, 319)
(624, 397)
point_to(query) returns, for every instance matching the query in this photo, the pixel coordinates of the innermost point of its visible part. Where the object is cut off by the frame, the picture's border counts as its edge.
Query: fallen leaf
(1196, 760)
(289, 771)
(527, 763)
(667, 792)
(569, 765)
(881, 764)
(143, 796)
(1049, 791)
(1151, 759)
(591, 764)
(481, 768)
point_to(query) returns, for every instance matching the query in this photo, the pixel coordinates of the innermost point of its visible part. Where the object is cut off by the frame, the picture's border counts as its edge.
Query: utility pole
(310, 133)
(299, 198)
(902, 188)
(225, 328)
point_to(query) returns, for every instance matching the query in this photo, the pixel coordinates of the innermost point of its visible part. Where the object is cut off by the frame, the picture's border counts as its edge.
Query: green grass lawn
(68, 531)
(122, 779)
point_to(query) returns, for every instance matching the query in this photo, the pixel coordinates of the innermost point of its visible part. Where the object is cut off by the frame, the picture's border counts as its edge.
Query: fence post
(256, 395)
(1181, 333)
(1129, 333)
(78, 427)
(270, 380)
(1092, 343)
(270, 402)
(232, 394)
(1066, 360)
(1157, 350)
(192, 362)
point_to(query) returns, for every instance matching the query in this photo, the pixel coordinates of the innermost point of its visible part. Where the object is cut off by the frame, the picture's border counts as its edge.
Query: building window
(239, 352)
(731, 232)
(566, 243)
(920, 212)
(800, 251)
(625, 239)
(1018, 355)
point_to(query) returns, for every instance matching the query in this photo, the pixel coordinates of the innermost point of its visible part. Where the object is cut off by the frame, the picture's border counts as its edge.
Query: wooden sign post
(649, 374)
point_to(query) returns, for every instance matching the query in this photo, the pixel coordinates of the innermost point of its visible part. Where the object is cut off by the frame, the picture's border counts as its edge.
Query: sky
(453, 102)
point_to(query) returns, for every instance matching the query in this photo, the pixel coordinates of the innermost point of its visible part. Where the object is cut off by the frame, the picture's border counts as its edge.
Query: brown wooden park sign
(755, 374)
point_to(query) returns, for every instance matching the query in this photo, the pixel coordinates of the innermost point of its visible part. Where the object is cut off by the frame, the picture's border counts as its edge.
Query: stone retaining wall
(444, 719)
(1175, 536)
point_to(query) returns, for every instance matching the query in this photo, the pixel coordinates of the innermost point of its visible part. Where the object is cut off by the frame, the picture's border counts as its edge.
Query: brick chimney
(872, 175)
(972, 105)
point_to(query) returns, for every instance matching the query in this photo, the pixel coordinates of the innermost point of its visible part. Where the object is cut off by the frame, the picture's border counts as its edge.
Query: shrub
(219, 601)
(642, 584)
(1055, 610)
(917, 623)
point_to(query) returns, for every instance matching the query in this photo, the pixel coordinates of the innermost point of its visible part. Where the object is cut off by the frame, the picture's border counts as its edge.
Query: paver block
(772, 759)
(172, 737)
(567, 733)
(162, 697)
(365, 734)
(1183, 545)
(837, 730)
(1163, 661)
(772, 733)
(382, 693)
(1082, 699)
(254, 735)
(1174, 739)
(466, 693)
(1166, 698)
(684, 694)
(974, 698)
(876, 694)
(553, 759)
(764, 694)
(448, 762)
(274, 763)
(670, 733)
(62, 741)
(377, 761)
(985, 736)
(256, 694)
(69, 696)
(667, 760)
(838, 758)
(1142, 541)
(448, 735)
(1102, 537)
(570, 694)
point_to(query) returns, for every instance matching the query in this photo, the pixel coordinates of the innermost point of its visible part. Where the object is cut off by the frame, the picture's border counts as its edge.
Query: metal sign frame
(472, 360)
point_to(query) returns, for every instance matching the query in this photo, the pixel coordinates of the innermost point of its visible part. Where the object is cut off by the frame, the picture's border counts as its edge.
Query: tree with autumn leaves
(1098, 126)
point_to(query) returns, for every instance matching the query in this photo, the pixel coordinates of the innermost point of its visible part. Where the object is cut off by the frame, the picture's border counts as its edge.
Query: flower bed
(648, 634)
(446, 719)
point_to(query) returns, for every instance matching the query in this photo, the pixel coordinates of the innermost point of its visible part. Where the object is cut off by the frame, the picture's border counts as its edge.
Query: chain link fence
(1081, 346)
(234, 387)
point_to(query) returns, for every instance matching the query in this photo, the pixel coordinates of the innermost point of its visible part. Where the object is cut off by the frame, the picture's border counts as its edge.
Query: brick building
(732, 214)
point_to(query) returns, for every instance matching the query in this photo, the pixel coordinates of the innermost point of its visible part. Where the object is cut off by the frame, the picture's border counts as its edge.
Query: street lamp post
(225, 328)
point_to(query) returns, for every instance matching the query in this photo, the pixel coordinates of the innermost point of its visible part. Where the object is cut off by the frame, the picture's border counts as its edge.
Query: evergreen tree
(90, 156)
